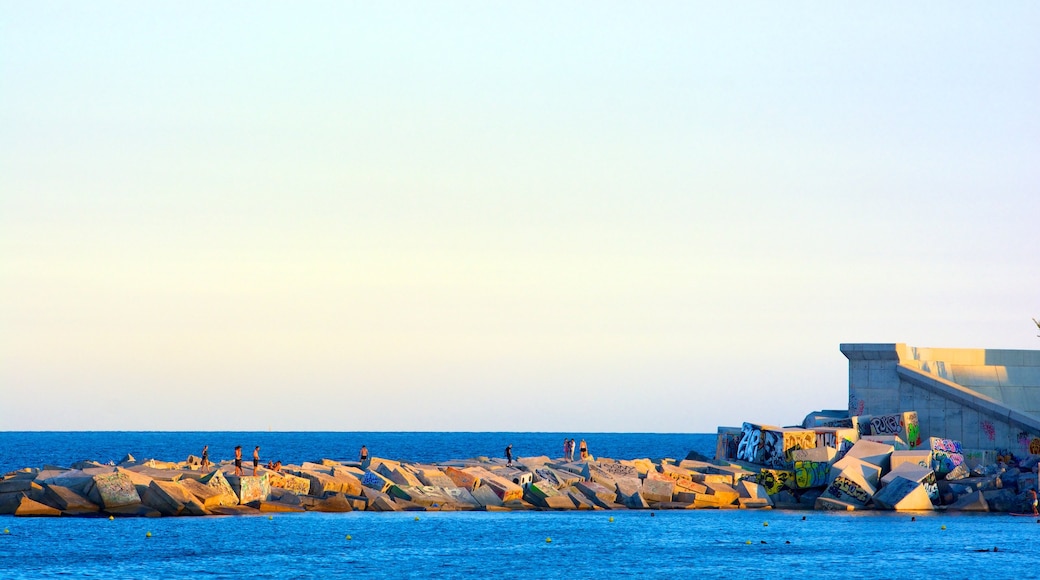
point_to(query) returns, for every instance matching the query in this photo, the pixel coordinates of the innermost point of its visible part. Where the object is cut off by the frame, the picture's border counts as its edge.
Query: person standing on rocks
(583, 450)
(205, 457)
(570, 450)
(364, 454)
(256, 459)
(566, 447)
(509, 455)
(1033, 491)
(238, 460)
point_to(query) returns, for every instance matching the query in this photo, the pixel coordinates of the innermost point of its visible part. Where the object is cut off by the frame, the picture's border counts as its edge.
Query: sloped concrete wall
(987, 399)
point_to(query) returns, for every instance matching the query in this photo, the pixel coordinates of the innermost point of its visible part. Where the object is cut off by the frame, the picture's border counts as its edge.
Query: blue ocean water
(20, 449)
(714, 543)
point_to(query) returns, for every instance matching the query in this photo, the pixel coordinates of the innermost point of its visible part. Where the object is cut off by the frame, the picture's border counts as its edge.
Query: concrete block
(830, 504)
(461, 498)
(278, 507)
(377, 482)
(249, 488)
(850, 487)
(752, 490)
(675, 472)
(919, 457)
(903, 425)
(30, 508)
(895, 441)
(775, 480)
(750, 448)
(171, 499)
(619, 470)
(580, 501)
(216, 481)
(826, 455)
(971, 502)
(68, 501)
(873, 452)
(657, 488)
(111, 490)
(537, 492)
(383, 504)
(506, 490)
(485, 496)
(959, 472)
(136, 510)
(870, 472)
(594, 491)
(462, 479)
(946, 455)
(777, 444)
(901, 494)
(431, 476)
(811, 473)
(683, 486)
(330, 482)
(750, 503)
(723, 494)
(293, 483)
(209, 497)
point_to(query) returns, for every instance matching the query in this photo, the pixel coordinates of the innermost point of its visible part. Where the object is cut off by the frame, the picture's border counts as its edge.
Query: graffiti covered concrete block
(778, 443)
(829, 504)
(811, 474)
(868, 471)
(115, 489)
(216, 481)
(905, 425)
(841, 439)
(250, 488)
(946, 455)
(750, 446)
(775, 480)
(903, 494)
(975, 458)
(923, 475)
(373, 480)
(462, 478)
(851, 487)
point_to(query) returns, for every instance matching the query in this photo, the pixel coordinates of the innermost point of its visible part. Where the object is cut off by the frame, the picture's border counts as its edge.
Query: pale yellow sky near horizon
(592, 217)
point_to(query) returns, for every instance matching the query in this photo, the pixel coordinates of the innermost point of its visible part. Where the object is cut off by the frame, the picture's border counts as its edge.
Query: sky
(502, 216)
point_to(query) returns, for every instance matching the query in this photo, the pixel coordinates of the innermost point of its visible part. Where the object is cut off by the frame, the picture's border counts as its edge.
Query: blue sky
(502, 216)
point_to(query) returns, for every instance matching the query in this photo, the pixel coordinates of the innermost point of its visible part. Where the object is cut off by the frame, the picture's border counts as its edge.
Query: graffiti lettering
(774, 480)
(913, 430)
(750, 446)
(845, 489)
(810, 473)
(886, 425)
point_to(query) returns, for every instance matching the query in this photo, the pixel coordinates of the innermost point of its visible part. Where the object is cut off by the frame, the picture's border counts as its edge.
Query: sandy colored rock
(30, 508)
(68, 501)
(172, 499)
(903, 494)
(657, 488)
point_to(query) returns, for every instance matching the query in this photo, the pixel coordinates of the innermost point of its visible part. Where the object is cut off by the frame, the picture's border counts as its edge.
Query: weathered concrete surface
(921, 457)
(68, 501)
(902, 494)
(250, 488)
(462, 478)
(216, 481)
(113, 490)
(209, 497)
(873, 452)
(172, 499)
(657, 487)
(972, 502)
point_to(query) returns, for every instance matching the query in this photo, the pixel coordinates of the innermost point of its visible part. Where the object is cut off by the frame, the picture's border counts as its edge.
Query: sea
(566, 545)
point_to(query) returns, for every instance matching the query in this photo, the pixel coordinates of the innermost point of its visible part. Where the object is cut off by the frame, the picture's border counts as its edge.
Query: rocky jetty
(155, 488)
(834, 461)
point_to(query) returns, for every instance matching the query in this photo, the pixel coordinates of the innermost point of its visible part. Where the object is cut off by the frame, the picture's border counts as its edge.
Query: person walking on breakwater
(205, 457)
(570, 450)
(256, 459)
(566, 447)
(1033, 491)
(238, 460)
(509, 455)
(583, 450)
(364, 454)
